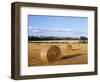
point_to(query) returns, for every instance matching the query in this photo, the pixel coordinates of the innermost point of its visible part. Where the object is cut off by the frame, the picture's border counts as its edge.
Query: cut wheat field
(76, 53)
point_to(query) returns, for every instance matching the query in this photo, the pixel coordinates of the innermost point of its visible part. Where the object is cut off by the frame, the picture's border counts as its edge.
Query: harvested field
(61, 53)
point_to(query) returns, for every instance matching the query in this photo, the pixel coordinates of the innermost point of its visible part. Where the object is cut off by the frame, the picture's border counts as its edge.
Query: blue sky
(62, 26)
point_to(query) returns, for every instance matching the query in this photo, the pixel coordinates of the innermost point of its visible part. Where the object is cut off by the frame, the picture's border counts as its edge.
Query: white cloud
(62, 29)
(69, 29)
(35, 30)
(30, 27)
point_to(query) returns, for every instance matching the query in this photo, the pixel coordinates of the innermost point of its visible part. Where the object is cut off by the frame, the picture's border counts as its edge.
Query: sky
(61, 26)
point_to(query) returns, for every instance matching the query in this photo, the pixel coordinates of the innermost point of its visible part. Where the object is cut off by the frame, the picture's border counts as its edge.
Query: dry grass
(77, 54)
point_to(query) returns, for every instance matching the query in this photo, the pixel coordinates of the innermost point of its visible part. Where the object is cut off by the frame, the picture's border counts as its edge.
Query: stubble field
(72, 52)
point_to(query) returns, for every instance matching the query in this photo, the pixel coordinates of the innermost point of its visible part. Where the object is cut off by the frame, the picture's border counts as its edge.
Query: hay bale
(69, 47)
(50, 54)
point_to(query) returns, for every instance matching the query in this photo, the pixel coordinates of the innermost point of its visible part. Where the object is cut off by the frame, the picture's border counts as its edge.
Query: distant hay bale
(78, 43)
(69, 47)
(50, 54)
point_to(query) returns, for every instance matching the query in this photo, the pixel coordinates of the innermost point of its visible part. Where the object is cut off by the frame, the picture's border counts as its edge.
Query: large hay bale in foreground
(50, 54)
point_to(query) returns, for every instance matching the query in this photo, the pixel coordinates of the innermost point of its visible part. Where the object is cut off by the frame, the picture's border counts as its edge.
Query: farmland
(72, 52)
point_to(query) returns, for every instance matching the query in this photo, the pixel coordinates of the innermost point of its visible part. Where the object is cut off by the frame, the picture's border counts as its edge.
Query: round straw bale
(69, 47)
(50, 54)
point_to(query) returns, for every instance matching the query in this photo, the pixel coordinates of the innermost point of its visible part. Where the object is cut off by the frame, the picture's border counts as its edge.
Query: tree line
(37, 38)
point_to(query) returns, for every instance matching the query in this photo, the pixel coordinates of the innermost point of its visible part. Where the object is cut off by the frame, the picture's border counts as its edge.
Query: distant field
(70, 41)
(76, 55)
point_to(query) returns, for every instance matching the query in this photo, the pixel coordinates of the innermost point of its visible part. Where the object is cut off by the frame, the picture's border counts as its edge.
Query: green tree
(83, 39)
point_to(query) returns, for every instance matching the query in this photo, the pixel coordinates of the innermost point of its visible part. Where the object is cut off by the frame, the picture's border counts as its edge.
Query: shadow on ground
(70, 56)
